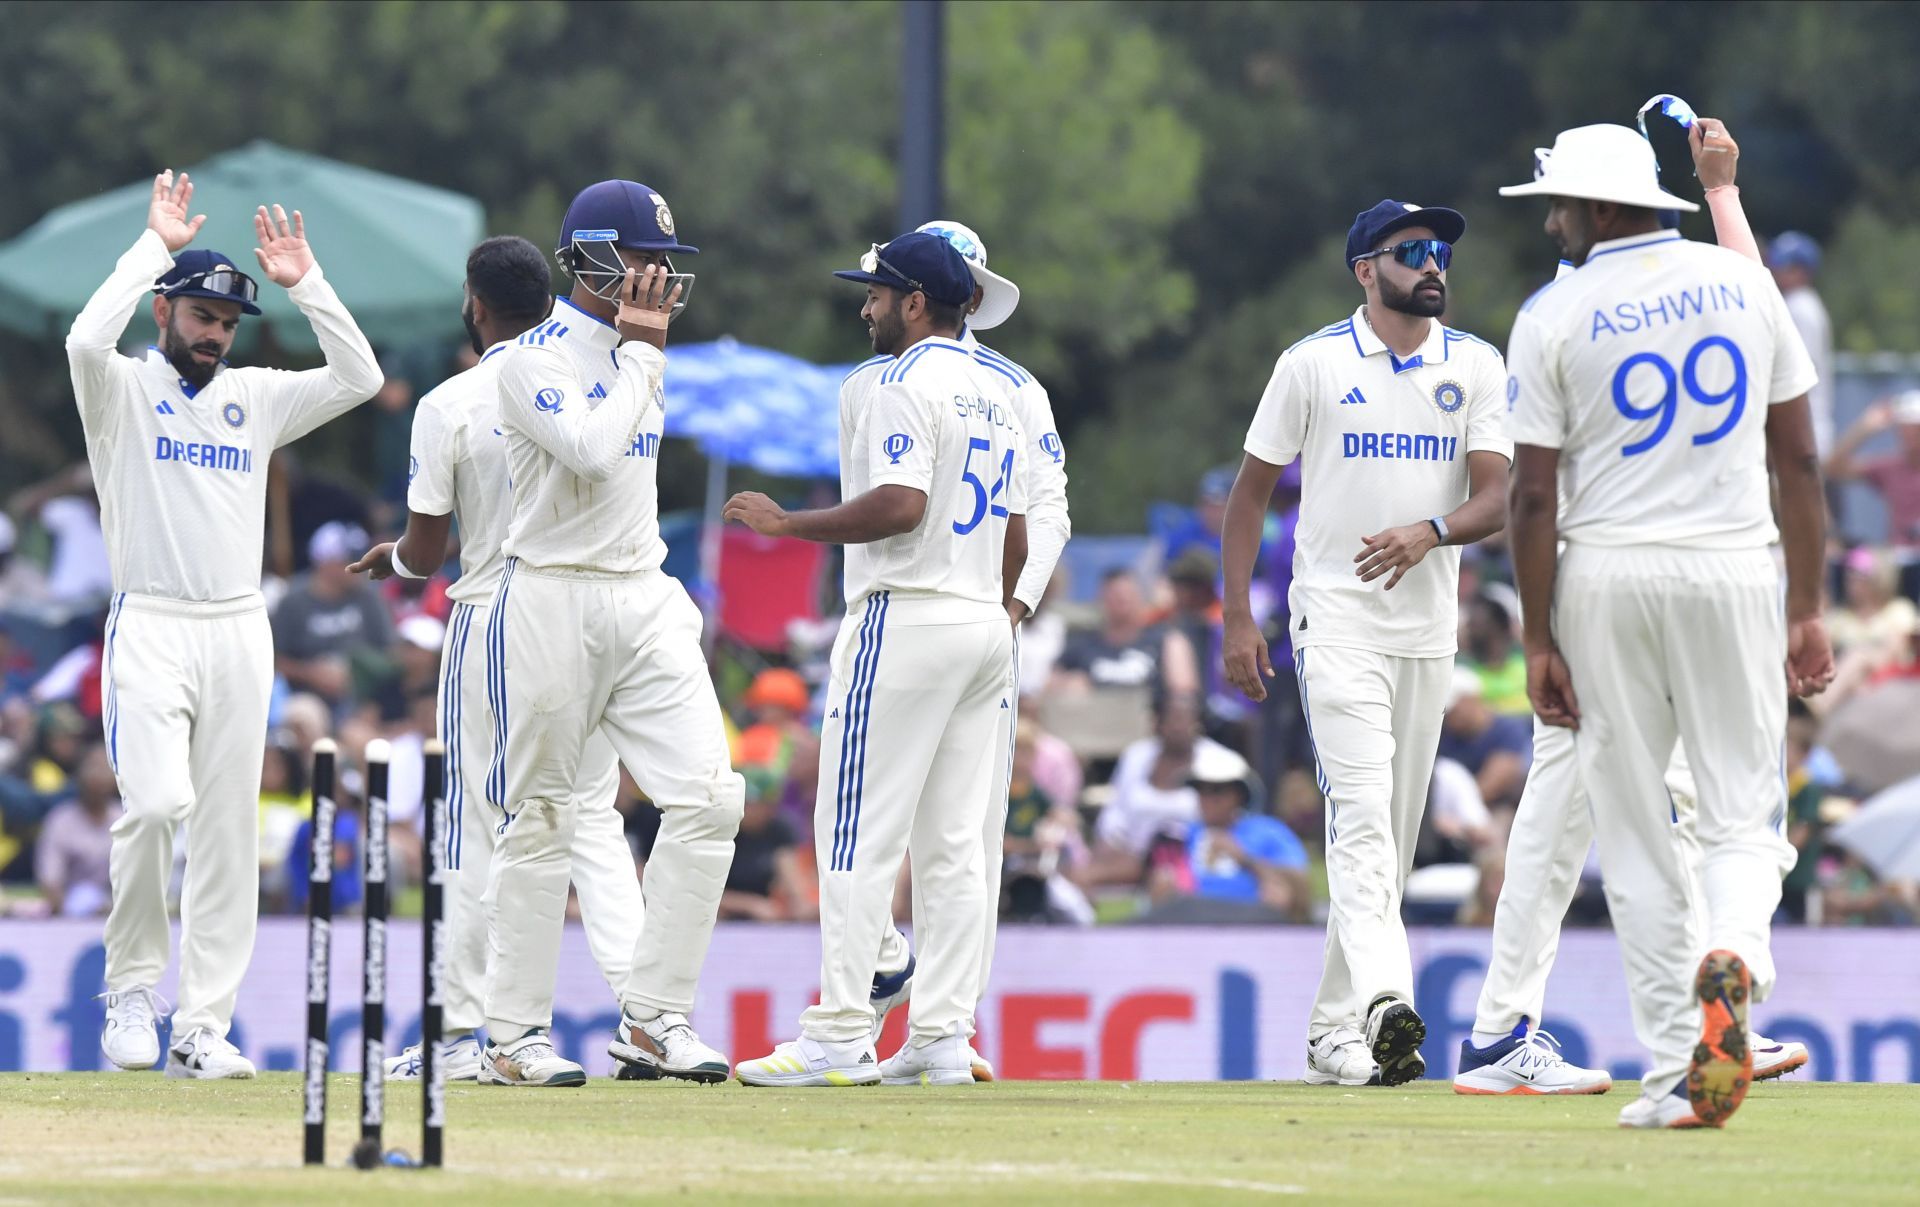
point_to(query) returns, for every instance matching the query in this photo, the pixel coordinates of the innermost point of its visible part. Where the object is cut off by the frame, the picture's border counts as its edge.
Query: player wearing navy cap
(179, 446)
(1397, 422)
(1048, 529)
(587, 632)
(933, 523)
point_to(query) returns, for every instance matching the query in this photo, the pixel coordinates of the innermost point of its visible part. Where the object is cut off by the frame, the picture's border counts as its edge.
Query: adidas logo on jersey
(834, 715)
(1353, 397)
(598, 391)
(165, 407)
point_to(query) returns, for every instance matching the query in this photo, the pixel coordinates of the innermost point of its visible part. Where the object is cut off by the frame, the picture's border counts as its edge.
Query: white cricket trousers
(185, 710)
(1374, 721)
(1667, 644)
(569, 652)
(908, 754)
(602, 873)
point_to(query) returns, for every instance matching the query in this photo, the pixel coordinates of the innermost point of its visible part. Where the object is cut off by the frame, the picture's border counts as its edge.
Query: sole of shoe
(563, 1081)
(1792, 1064)
(981, 1070)
(183, 1073)
(635, 1064)
(1314, 1077)
(1396, 1044)
(1527, 1091)
(932, 1077)
(830, 1079)
(1722, 1067)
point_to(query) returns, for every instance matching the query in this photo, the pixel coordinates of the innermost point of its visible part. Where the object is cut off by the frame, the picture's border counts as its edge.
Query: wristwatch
(1440, 529)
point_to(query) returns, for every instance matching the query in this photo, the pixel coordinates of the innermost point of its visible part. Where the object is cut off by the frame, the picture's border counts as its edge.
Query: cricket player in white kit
(1048, 529)
(179, 447)
(933, 521)
(588, 633)
(1552, 830)
(1398, 422)
(1667, 376)
(458, 474)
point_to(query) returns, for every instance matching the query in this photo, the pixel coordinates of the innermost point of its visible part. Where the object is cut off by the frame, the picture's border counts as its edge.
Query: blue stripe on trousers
(860, 709)
(1319, 770)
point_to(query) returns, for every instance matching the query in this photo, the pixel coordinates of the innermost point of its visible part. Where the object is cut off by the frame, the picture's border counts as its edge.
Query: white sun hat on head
(1600, 163)
(998, 296)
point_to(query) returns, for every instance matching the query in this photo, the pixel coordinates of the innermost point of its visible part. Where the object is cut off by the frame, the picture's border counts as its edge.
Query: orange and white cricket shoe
(1722, 1067)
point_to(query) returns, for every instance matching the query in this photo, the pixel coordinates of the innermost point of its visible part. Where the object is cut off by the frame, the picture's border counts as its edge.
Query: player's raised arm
(1716, 159)
(94, 339)
(303, 401)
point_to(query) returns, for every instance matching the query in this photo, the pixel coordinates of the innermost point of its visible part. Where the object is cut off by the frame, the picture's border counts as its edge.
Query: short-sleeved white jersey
(1383, 442)
(458, 467)
(942, 422)
(1651, 368)
(583, 413)
(182, 472)
(1049, 526)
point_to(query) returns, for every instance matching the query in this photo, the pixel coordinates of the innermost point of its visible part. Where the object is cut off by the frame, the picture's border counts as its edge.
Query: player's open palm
(1550, 690)
(1809, 657)
(167, 213)
(1247, 663)
(283, 252)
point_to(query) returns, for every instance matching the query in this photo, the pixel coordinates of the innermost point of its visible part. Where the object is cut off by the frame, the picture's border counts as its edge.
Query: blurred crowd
(1143, 788)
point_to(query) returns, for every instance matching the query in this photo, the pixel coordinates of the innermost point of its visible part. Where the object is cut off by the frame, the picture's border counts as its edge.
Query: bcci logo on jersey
(1051, 446)
(1449, 396)
(548, 400)
(896, 447)
(234, 414)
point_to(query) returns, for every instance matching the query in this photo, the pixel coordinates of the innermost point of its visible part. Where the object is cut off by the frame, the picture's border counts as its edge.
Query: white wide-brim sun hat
(998, 296)
(1600, 163)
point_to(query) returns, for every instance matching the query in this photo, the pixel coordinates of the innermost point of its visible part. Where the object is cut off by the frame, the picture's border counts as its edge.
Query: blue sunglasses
(1415, 253)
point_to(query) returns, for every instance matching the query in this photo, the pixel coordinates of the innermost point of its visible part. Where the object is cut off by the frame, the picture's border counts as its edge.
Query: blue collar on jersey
(1433, 350)
(157, 357)
(1631, 241)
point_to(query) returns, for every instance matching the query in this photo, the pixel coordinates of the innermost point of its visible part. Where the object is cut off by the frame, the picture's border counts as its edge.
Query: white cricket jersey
(582, 413)
(1048, 524)
(1650, 368)
(1383, 442)
(458, 467)
(182, 473)
(942, 422)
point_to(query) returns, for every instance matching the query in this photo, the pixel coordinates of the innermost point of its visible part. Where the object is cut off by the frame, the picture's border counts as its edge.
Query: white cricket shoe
(1525, 1063)
(204, 1056)
(980, 1066)
(945, 1061)
(1772, 1058)
(1670, 1110)
(809, 1062)
(890, 993)
(130, 1038)
(1340, 1057)
(529, 1061)
(1395, 1032)
(461, 1059)
(664, 1047)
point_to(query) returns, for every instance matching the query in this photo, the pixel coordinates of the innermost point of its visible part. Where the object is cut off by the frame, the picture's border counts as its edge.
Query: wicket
(373, 1007)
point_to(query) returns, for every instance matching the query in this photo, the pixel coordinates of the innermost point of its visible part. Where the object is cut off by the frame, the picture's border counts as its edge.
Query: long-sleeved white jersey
(182, 474)
(1048, 525)
(458, 467)
(582, 414)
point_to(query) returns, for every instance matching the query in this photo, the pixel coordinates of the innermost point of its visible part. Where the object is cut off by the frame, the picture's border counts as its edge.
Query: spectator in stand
(1806, 830)
(765, 883)
(347, 888)
(70, 856)
(329, 616)
(1153, 799)
(391, 417)
(285, 802)
(1495, 750)
(299, 504)
(1795, 261)
(779, 702)
(1042, 845)
(21, 582)
(1195, 578)
(1239, 865)
(1125, 652)
(1201, 528)
(1872, 615)
(78, 576)
(1492, 650)
(1896, 475)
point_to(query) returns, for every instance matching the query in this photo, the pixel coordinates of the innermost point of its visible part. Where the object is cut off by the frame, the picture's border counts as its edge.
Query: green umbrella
(395, 251)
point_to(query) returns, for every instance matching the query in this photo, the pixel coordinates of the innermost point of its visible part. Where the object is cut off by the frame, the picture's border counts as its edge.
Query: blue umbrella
(754, 406)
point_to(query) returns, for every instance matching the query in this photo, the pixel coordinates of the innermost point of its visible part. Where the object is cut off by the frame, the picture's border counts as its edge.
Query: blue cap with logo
(199, 273)
(1372, 225)
(918, 260)
(624, 213)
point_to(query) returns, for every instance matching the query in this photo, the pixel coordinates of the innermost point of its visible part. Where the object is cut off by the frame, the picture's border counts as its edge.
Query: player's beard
(180, 354)
(1415, 301)
(473, 328)
(889, 330)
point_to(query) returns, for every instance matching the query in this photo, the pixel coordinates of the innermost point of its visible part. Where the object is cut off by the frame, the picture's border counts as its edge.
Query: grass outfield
(85, 1137)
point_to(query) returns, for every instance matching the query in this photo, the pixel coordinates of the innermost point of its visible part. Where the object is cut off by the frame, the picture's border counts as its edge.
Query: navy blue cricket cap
(918, 260)
(624, 213)
(1371, 226)
(199, 273)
